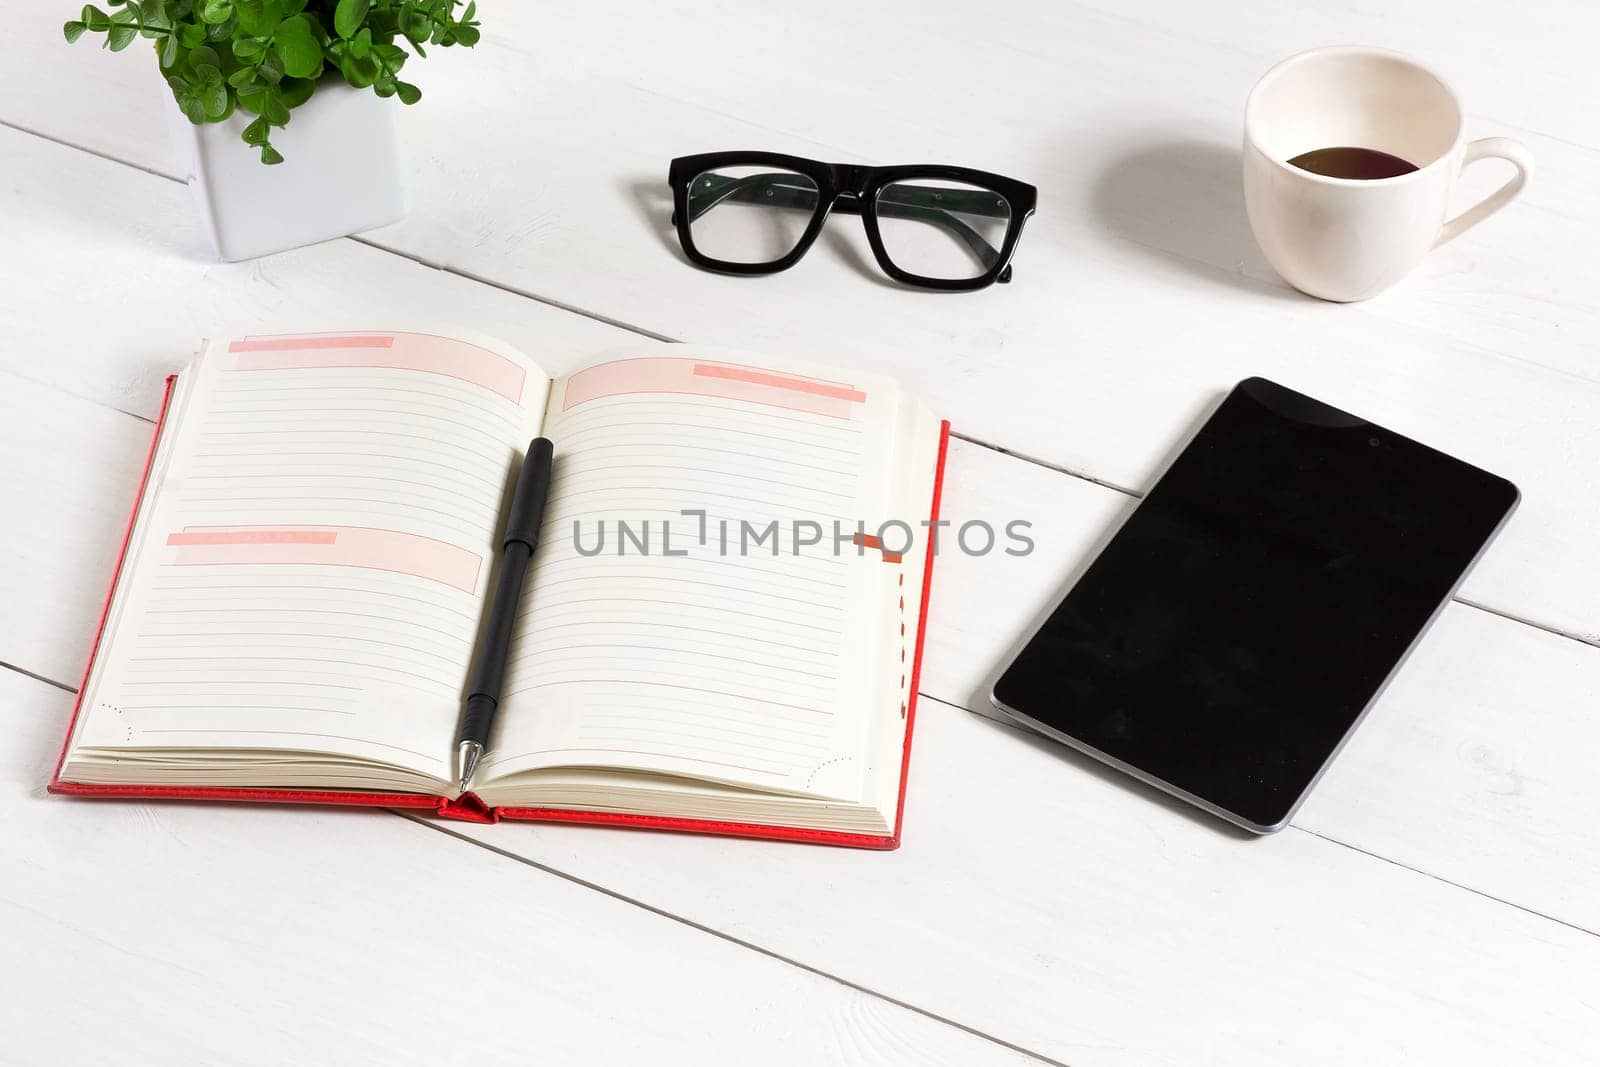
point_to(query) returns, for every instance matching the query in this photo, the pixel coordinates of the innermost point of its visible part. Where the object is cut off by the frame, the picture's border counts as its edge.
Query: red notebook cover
(468, 808)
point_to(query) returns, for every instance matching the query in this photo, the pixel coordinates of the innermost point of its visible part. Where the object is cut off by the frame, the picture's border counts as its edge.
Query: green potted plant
(281, 107)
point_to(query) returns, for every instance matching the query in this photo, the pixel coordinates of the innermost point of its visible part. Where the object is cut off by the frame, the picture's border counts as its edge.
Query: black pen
(516, 552)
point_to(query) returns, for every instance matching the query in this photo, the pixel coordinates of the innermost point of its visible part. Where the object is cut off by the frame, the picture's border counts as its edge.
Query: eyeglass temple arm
(900, 201)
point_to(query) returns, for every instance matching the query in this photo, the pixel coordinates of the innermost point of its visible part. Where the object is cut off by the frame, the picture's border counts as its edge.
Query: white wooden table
(1437, 901)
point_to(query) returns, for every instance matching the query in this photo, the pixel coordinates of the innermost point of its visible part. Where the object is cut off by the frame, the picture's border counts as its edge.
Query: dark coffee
(1364, 164)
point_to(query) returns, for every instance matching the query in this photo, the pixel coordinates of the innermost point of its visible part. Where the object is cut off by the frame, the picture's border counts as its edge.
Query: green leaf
(215, 12)
(271, 68)
(258, 18)
(253, 98)
(297, 45)
(270, 156)
(204, 56)
(296, 91)
(95, 19)
(192, 34)
(472, 9)
(360, 72)
(361, 44)
(121, 36)
(73, 30)
(274, 111)
(467, 35)
(192, 108)
(248, 47)
(321, 31)
(257, 132)
(242, 77)
(416, 25)
(169, 51)
(214, 98)
(349, 16)
(206, 76)
(409, 94)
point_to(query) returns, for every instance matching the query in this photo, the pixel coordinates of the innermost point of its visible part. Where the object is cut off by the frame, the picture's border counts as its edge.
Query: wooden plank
(70, 485)
(1139, 295)
(210, 934)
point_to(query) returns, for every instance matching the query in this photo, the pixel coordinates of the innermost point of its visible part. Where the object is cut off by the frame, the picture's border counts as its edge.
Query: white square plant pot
(340, 174)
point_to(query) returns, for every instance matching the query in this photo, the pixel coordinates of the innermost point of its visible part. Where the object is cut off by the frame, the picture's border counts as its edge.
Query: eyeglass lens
(940, 229)
(749, 215)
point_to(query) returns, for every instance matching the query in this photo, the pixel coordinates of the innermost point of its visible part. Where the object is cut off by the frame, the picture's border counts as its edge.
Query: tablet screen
(1236, 627)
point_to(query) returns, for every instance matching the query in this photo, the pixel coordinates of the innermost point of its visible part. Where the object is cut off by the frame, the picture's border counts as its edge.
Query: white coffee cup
(1343, 238)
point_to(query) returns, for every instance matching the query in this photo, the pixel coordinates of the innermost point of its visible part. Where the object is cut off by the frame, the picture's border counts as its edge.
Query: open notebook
(719, 632)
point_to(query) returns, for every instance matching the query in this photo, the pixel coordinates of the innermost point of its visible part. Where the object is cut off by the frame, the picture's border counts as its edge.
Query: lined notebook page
(723, 660)
(309, 572)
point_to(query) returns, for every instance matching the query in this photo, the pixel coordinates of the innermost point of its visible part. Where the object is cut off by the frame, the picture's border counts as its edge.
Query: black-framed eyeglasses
(930, 225)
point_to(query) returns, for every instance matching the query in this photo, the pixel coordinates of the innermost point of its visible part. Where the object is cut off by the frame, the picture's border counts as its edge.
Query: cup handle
(1490, 148)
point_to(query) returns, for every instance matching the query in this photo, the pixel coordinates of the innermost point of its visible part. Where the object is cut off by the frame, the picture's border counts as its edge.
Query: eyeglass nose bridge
(850, 188)
(850, 180)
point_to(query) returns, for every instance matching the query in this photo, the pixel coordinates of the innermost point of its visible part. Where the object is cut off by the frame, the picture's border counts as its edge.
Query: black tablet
(1234, 631)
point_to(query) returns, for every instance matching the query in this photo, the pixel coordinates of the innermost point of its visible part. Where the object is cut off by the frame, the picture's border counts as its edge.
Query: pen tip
(469, 754)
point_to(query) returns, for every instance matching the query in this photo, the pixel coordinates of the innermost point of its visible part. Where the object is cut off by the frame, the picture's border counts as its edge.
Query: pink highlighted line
(252, 537)
(402, 351)
(779, 381)
(625, 377)
(302, 344)
(331, 546)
